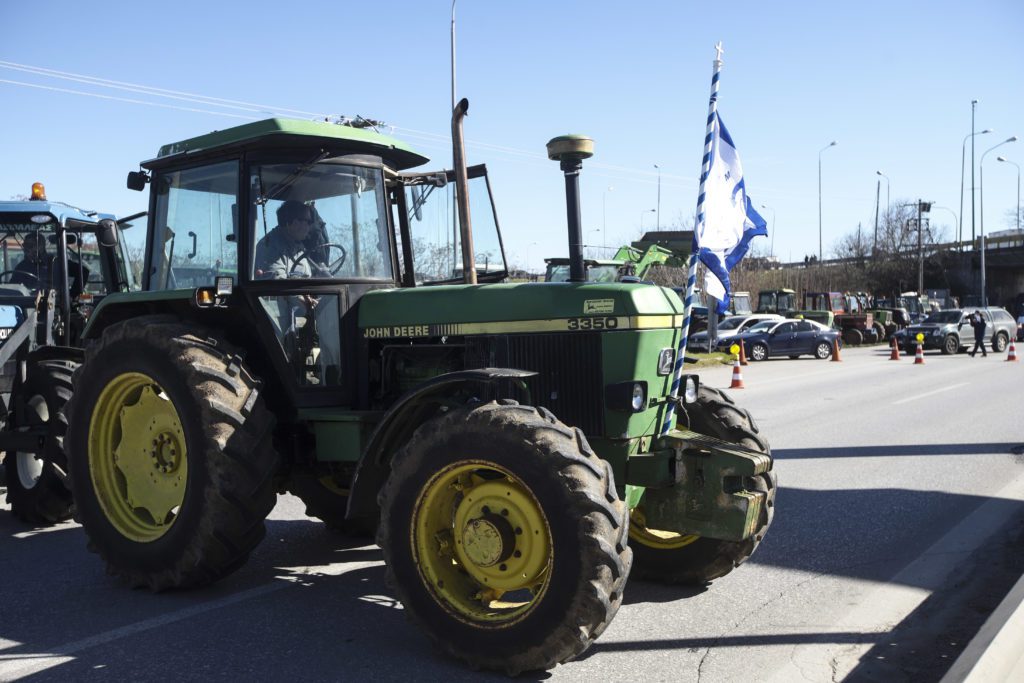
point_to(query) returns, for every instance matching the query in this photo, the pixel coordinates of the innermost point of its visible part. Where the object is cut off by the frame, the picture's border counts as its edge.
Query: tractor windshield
(29, 254)
(324, 220)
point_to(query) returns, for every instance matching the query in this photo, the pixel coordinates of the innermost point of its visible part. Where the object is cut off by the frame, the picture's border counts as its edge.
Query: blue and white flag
(728, 221)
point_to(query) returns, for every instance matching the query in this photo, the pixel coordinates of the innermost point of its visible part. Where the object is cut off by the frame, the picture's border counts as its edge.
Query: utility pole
(922, 208)
(878, 196)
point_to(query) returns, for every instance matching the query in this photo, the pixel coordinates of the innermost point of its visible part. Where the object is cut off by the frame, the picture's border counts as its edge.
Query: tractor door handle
(194, 237)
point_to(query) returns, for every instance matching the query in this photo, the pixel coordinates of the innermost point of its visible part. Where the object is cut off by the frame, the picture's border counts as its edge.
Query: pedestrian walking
(978, 323)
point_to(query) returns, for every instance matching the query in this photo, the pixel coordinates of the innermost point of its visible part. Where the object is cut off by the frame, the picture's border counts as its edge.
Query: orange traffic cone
(835, 350)
(743, 353)
(1012, 354)
(895, 355)
(919, 356)
(737, 376)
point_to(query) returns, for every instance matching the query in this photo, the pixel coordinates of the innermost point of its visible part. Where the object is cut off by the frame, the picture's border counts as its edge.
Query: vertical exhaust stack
(462, 192)
(570, 151)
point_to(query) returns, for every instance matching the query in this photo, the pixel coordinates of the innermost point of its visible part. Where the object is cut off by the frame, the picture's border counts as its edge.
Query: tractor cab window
(324, 220)
(196, 215)
(434, 227)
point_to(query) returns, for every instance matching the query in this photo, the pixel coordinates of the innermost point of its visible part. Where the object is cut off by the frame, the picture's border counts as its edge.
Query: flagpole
(691, 276)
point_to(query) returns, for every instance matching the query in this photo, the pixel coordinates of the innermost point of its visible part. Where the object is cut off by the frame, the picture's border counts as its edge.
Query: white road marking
(14, 666)
(930, 393)
(881, 610)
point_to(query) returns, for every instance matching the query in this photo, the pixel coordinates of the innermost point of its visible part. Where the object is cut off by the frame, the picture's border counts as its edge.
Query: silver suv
(951, 330)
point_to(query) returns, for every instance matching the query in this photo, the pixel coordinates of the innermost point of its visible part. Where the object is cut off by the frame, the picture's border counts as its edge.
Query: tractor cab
(779, 301)
(300, 220)
(56, 263)
(598, 270)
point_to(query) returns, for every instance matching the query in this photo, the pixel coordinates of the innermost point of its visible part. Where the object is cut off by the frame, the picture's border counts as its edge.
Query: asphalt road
(900, 521)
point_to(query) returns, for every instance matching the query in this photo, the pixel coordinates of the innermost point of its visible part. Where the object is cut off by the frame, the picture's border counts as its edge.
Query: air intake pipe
(570, 151)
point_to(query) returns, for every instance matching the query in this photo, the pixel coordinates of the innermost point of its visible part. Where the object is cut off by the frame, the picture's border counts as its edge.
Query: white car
(729, 328)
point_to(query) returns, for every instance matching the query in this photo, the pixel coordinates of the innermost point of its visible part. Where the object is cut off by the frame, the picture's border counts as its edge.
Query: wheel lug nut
(486, 510)
(504, 513)
(517, 553)
(519, 531)
(502, 567)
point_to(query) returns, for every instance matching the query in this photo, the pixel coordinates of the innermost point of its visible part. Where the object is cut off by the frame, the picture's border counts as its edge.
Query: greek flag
(728, 221)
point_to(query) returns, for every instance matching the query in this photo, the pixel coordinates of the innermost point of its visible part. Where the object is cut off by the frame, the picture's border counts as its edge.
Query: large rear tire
(853, 337)
(504, 537)
(689, 559)
(36, 482)
(172, 462)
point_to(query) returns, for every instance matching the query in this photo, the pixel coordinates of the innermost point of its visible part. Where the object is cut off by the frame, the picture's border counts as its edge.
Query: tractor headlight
(690, 387)
(639, 396)
(630, 397)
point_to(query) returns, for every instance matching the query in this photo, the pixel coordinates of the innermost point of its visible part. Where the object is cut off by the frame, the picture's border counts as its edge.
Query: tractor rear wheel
(36, 488)
(687, 558)
(853, 337)
(171, 456)
(504, 537)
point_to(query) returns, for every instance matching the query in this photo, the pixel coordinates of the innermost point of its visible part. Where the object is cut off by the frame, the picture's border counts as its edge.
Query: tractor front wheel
(171, 455)
(504, 537)
(687, 558)
(36, 488)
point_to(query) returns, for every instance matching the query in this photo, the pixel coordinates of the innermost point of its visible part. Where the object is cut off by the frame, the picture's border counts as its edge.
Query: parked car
(950, 330)
(1020, 327)
(729, 327)
(792, 338)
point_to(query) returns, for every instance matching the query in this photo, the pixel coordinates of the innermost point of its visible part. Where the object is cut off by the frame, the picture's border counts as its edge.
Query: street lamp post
(657, 218)
(765, 206)
(642, 213)
(963, 154)
(886, 191)
(981, 203)
(593, 247)
(831, 144)
(604, 215)
(1007, 161)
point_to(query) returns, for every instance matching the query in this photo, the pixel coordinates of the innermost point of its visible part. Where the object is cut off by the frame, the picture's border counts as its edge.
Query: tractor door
(319, 237)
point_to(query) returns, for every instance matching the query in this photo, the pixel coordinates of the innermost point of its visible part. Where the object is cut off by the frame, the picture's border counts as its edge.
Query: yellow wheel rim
(482, 543)
(655, 538)
(137, 457)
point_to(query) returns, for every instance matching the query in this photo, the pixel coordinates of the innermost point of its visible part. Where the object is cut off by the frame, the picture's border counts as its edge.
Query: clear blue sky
(891, 81)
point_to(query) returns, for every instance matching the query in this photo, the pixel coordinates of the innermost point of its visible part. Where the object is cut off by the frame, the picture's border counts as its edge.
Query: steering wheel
(332, 267)
(9, 274)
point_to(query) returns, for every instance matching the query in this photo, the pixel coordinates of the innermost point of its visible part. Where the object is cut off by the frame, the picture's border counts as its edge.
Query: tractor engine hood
(457, 310)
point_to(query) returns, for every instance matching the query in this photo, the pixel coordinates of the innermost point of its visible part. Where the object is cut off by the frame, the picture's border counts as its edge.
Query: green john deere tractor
(357, 351)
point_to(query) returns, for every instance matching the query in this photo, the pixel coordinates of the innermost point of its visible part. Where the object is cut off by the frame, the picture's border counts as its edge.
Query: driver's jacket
(276, 258)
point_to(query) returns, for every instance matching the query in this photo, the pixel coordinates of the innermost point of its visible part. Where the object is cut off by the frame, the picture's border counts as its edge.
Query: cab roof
(21, 211)
(279, 132)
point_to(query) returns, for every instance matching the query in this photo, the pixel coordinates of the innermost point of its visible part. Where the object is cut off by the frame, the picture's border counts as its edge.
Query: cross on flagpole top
(718, 51)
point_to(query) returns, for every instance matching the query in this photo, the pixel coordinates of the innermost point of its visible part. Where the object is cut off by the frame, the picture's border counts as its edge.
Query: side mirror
(106, 233)
(137, 180)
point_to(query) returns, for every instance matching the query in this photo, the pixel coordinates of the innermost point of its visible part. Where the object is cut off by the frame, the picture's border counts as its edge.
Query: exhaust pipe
(462, 192)
(570, 151)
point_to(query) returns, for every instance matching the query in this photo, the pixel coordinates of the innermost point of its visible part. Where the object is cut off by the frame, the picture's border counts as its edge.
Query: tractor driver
(38, 269)
(285, 251)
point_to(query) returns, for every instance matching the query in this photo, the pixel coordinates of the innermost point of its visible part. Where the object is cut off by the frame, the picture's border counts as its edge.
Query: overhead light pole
(765, 206)
(604, 215)
(981, 202)
(831, 144)
(963, 153)
(657, 218)
(886, 191)
(1007, 161)
(642, 214)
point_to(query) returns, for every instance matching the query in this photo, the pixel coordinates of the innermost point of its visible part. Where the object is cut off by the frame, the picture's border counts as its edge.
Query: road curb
(996, 653)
